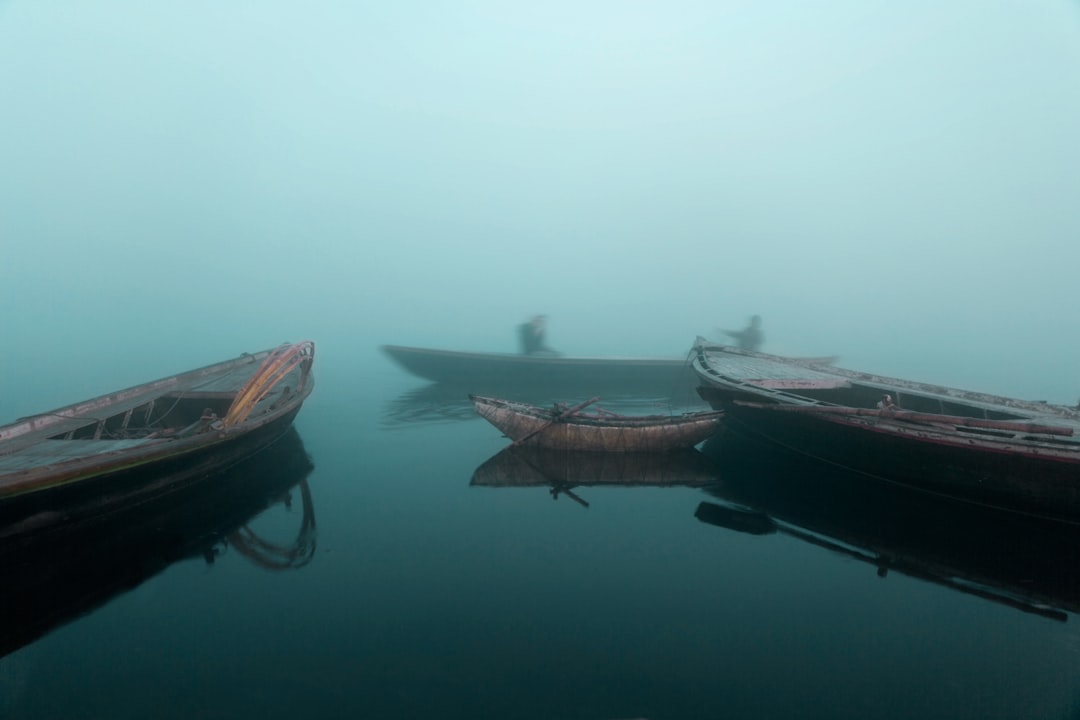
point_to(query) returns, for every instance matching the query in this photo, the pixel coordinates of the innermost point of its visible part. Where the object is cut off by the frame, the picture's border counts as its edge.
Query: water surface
(406, 578)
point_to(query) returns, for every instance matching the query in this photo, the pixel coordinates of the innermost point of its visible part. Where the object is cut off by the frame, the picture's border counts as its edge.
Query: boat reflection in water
(449, 402)
(1018, 560)
(563, 472)
(51, 573)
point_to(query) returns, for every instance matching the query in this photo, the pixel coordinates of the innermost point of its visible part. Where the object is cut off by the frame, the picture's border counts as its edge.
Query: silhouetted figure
(532, 335)
(749, 338)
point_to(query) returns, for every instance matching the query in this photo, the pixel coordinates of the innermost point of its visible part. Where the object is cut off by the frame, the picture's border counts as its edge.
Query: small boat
(441, 403)
(1011, 453)
(148, 436)
(564, 428)
(483, 369)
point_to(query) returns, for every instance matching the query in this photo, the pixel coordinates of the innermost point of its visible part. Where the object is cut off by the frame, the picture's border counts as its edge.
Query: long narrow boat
(985, 448)
(146, 436)
(483, 369)
(563, 428)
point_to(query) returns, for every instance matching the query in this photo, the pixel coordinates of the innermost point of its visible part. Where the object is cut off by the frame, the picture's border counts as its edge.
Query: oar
(565, 490)
(558, 416)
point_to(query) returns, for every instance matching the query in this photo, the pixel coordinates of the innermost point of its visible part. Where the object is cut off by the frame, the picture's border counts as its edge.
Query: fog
(895, 183)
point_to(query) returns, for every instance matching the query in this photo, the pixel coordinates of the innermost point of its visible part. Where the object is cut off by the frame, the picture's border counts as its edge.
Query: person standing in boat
(533, 336)
(750, 337)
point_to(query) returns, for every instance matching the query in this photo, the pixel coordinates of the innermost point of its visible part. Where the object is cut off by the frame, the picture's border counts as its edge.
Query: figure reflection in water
(750, 337)
(533, 336)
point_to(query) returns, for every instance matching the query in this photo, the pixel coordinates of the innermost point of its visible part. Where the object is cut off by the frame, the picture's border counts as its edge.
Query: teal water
(417, 594)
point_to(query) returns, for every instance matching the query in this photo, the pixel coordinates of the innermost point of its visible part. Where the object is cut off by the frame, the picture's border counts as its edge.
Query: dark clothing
(532, 339)
(749, 338)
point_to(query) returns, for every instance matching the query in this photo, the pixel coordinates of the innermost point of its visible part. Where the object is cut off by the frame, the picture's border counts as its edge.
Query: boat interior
(762, 379)
(167, 415)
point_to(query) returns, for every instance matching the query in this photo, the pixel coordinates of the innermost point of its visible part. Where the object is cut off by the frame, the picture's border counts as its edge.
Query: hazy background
(897, 183)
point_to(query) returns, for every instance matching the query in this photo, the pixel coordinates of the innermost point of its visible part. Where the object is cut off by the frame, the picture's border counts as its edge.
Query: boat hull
(1006, 557)
(93, 490)
(503, 370)
(1023, 481)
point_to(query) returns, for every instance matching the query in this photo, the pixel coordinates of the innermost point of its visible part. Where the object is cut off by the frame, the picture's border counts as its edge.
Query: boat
(571, 428)
(55, 573)
(479, 370)
(563, 472)
(1016, 454)
(147, 437)
(436, 403)
(1012, 559)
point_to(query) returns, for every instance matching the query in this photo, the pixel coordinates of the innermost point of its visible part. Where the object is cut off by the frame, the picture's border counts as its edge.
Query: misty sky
(895, 182)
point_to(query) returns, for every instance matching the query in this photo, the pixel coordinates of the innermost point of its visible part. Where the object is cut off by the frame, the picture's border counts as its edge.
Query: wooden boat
(441, 403)
(563, 428)
(565, 471)
(985, 448)
(55, 572)
(484, 370)
(135, 439)
(1012, 559)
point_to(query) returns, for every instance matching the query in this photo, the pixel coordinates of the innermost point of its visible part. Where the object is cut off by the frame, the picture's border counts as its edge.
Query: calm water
(408, 577)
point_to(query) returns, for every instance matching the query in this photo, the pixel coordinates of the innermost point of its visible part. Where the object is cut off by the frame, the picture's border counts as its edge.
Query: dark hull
(30, 516)
(1009, 558)
(56, 573)
(1008, 478)
(480, 371)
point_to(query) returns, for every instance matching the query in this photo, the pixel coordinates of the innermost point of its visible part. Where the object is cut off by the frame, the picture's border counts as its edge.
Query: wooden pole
(558, 416)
